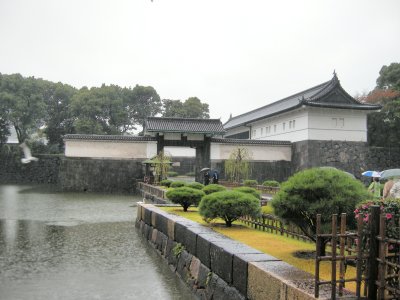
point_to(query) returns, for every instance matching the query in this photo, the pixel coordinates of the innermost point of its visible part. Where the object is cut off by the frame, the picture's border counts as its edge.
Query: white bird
(28, 156)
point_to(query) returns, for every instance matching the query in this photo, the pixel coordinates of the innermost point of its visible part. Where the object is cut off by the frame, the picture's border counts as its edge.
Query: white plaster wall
(259, 152)
(313, 124)
(295, 128)
(180, 151)
(110, 149)
(338, 124)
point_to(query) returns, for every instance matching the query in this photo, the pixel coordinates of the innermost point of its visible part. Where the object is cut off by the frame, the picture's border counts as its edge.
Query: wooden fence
(273, 224)
(375, 256)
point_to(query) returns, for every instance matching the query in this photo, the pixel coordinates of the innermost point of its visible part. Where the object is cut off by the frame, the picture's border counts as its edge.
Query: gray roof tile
(311, 97)
(206, 126)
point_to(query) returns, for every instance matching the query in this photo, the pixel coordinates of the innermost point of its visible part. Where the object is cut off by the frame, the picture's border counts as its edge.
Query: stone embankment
(217, 267)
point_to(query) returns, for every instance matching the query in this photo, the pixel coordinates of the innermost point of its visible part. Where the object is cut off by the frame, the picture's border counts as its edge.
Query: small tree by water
(161, 166)
(237, 167)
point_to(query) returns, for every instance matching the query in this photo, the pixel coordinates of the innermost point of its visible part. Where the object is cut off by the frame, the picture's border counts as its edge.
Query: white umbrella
(390, 173)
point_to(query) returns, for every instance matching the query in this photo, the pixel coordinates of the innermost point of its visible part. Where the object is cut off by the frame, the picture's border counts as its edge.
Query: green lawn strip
(279, 246)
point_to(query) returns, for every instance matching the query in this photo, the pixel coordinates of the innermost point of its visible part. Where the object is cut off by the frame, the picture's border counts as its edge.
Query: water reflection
(77, 246)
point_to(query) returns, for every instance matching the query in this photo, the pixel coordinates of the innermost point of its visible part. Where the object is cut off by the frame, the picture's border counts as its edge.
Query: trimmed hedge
(213, 188)
(249, 190)
(195, 185)
(178, 183)
(166, 182)
(185, 196)
(271, 183)
(250, 182)
(229, 206)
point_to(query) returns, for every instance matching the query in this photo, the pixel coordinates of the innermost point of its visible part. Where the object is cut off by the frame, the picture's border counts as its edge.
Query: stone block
(161, 222)
(138, 212)
(203, 245)
(240, 265)
(147, 216)
(153, 219)
(221, 262)
(195, 268)
(171, 229)
(203, 274)
(186, 237)
(153, 238)
(273, 279)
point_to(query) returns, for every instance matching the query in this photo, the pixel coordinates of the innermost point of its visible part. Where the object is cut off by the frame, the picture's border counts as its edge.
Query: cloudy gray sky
(234, 55)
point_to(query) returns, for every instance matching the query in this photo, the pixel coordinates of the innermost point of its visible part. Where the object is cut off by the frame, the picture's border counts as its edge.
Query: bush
(228, 205)
(195, 185)
(249, 190)
(271, 183)
(166, 182)
(318, 191)
(172, 174)
(213, 188)
(250, 182)
(178, 183)
(389, 207)
(267, 209)
(190, 174)
(185, 196)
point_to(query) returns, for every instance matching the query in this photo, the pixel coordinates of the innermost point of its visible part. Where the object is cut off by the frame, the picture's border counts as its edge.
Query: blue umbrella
(371, 174)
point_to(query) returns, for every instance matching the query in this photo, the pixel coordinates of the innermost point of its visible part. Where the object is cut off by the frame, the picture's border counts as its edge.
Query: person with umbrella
(375, 188)
(392, 187)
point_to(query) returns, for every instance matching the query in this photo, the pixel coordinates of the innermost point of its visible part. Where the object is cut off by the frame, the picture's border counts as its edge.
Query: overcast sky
(234, 55)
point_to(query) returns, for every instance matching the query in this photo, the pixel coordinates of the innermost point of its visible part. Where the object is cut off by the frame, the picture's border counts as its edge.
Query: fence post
(373, 251)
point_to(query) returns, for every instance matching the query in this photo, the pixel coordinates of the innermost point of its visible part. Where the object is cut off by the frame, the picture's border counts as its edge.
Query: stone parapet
(215, 266)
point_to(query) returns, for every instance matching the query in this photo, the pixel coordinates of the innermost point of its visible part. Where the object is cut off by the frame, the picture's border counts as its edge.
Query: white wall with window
(312, 123)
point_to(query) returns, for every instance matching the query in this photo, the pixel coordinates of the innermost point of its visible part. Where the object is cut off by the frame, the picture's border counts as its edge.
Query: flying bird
(28, 156)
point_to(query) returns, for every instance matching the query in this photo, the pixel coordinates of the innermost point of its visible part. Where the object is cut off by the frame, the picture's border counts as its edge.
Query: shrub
(271, 183)
(389, 207)
(250, 182)
(213, 188)
(195, 185)
(178, 183)
(166, 182)
(185, 196)
(267, 209)
(228, 205)
(249, 190)
(190, 174)
(172, 174)
(318, 191)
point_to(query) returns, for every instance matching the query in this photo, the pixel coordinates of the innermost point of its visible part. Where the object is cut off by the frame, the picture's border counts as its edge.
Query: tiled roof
(96, 137)
(206, 126)
(311, 97)
(249, 142)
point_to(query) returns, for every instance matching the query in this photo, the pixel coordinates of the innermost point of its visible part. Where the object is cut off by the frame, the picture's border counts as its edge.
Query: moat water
(77, 246)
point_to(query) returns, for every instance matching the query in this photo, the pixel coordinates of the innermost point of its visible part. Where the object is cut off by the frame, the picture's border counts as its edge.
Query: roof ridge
(281, 100)
(189, 119)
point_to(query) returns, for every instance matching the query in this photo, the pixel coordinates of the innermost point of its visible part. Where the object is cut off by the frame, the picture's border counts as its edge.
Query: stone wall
(217, 267)
(100, 175)
(353, 157)
(261, 170)
(13, 171)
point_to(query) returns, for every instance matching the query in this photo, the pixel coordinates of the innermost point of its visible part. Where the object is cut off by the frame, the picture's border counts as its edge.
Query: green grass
(281, 247)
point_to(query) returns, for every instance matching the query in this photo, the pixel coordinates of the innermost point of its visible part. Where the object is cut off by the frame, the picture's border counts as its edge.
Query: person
(375, 188)
(386, 188)
(206, 178)
(395, 190)
(215, 177)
